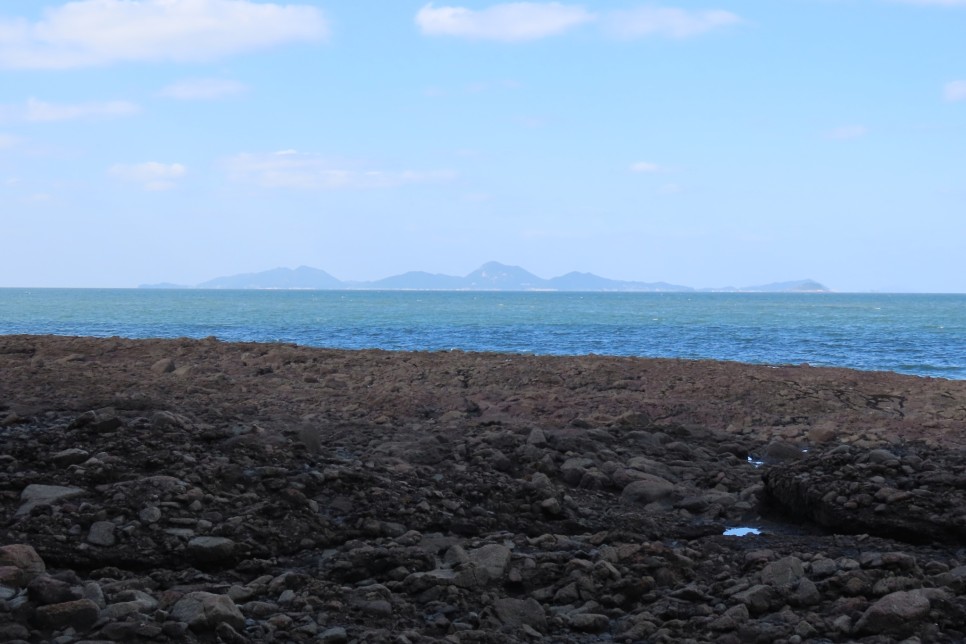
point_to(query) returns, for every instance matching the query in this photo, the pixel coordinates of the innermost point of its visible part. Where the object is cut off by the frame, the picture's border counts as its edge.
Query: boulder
(211, 549)
(101, 533)
(79, 614)
(647, 489)
(37, 494)
(896, 613)
(203, 611)
(25, 559)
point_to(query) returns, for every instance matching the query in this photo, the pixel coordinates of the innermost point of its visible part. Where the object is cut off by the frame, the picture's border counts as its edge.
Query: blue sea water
(915, 334)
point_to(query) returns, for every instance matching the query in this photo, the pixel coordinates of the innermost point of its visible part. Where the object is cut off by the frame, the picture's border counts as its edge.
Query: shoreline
(250, 492)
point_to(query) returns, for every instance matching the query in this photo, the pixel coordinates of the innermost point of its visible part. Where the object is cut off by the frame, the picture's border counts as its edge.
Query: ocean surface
(915, 334)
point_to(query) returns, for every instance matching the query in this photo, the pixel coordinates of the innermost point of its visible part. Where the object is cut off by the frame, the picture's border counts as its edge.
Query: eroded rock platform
(193, 490)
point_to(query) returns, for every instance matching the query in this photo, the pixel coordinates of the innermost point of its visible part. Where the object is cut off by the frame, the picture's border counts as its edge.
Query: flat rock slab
(36, 494)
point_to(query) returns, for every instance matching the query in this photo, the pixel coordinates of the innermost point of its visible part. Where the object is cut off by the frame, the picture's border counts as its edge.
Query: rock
(759, 599)
(334, 635)
(537, 437)
(101, 533)
(896, 613)
(44, 589)
(647, 489)
(211, 549)
(203, 611)
(25, 559)
(589, 622)
(779, 451)
(36, 494)
(70, 456)
(786, 571)
(79, 614)
(514, 613)
(164, 365)
(13, 632)
(150, 514)
(493, 559)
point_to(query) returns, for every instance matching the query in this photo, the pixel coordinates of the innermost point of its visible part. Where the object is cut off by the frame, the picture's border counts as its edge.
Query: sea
(924, 335)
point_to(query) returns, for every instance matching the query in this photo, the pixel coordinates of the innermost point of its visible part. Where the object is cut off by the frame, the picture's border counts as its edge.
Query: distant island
(492, 276)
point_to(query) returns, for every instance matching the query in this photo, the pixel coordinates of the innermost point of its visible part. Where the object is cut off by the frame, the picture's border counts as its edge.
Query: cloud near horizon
(36, 111)
(88, 33)
(152, 175)
(296, 170)
(203, 89)
(525, 21)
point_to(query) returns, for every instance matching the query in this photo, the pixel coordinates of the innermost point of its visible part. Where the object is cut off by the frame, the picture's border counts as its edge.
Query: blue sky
(707, 144)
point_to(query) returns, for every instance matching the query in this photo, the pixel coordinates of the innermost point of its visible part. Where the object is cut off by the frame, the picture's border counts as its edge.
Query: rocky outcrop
(260, 493)
(911, 492)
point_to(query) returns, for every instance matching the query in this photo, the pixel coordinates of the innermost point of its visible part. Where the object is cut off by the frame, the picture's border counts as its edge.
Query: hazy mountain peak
(491, 276)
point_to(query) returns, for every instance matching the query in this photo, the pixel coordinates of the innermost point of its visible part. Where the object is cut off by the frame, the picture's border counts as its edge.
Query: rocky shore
(194, 490)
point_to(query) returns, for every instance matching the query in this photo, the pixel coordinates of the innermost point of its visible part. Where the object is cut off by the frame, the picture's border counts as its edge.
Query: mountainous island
(492, 276)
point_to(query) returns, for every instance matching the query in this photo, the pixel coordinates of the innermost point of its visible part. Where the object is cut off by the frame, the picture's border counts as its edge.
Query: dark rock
(203, 611)
(80, 614)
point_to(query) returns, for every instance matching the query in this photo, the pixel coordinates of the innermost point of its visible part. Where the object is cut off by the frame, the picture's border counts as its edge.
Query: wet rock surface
(193, 490)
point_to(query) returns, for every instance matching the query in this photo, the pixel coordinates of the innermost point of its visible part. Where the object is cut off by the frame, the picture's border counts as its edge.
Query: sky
(708, 144)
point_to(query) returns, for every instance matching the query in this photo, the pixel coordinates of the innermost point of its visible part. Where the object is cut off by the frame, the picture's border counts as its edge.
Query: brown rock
(79, 614)
(25, 559)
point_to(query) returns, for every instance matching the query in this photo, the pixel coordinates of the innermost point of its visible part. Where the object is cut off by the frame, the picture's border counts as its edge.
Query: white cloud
(667, 21)
(513, 21)
(151, 175)
(7, 141)
(847, 132)
(955, 91)
(293, 169)
(521, 21)
(203, 89)
(99, 32)
(37, 111)
(645, 167)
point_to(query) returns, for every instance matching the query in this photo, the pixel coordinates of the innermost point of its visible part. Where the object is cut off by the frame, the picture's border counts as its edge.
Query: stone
(589, 622)
(783, 572)
(647, 489)
(25, 559)
(334, 635)
(12, 632)
(150, 514)
(44, 589)
(70, 456)
(203, 611)
(164, 365)
(759, 599)
(37, 494)
(492, 558)
(896, 613)
(514, 613)
(80, 614)
(779, 451)
(101, 533)
(211, 549)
